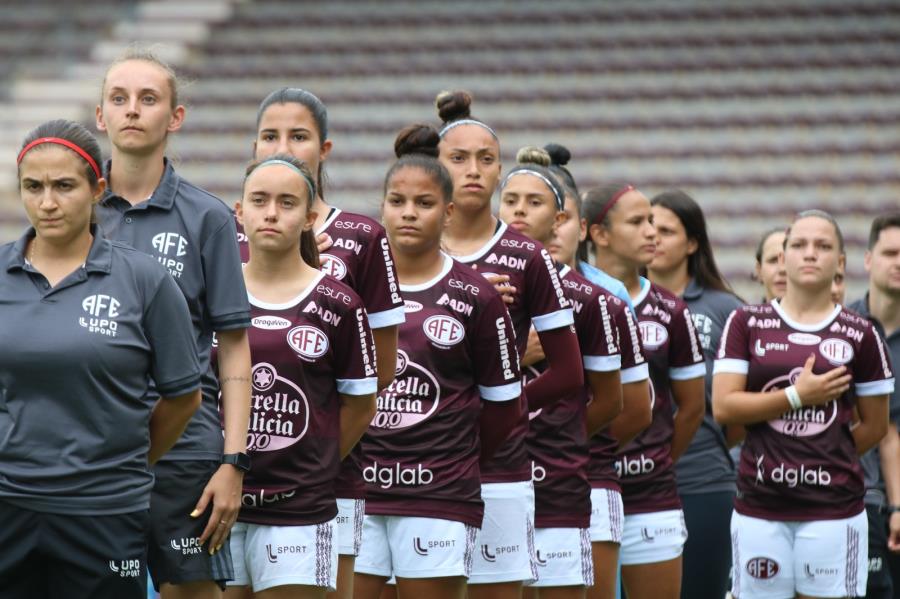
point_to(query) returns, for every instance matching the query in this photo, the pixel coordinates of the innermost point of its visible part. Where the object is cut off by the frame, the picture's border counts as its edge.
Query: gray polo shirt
(75, 366)
(707, 465)
(870, 461)
(192, 234)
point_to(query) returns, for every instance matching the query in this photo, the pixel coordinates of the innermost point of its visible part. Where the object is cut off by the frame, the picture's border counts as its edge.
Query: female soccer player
(622, 233)
(470, 150)
(87, 324)
(532, 201)
(769, 269)
(314, 385)
(810, 381)
(196, 494)
(294, 121)
(454, 400)
(684, 265)
(606, 497)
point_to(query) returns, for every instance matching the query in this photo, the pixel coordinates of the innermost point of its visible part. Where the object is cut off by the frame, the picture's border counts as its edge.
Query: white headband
(449, 126)
(560, 201)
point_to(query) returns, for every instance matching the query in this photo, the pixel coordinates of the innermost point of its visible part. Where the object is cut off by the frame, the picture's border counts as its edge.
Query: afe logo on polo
(332, 266)
(308, 341)
(653, 334)
(443, 330)
(836, 351)
(101, 305)
(164, 243)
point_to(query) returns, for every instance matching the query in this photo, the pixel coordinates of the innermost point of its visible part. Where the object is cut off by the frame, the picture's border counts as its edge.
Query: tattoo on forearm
(240, 379)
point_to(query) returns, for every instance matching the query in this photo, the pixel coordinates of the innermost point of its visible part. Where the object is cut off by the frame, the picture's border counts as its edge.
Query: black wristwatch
(892, 509)
(241, 461)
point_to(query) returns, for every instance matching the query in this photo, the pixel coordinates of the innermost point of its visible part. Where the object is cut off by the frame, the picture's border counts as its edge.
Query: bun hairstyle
(559, 158)
(535, 162)
(309, 251)
(416, 146)
(455, 108)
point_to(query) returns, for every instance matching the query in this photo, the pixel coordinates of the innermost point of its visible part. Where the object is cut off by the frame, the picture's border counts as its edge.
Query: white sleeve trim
(731, 366)
(501, 392)
(882, 387)
(553, 320)
(684, 373)
(641, 372)
(357, 386)
(387, 318)
(602, 363)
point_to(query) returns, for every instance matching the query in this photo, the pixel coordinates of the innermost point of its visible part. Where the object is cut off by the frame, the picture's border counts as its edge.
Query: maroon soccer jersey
(802, 465)
(304, 353)
(457, 348)
(557, 441)
(674, 353)
(361, 258)
(539, 301)
(601, 468)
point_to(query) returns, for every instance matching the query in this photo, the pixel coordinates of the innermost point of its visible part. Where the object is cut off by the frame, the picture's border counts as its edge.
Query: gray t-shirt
(871, 461)
(707, 466)
(75, 367)
(192, 234)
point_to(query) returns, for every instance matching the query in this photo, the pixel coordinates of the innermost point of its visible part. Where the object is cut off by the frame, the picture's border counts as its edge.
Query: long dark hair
(309, 251)
(701, 264)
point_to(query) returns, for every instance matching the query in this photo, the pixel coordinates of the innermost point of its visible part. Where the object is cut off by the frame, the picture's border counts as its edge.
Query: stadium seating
(756, 109)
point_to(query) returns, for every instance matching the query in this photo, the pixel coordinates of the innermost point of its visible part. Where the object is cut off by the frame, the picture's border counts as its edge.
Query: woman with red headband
(102, 320)
(622, 237)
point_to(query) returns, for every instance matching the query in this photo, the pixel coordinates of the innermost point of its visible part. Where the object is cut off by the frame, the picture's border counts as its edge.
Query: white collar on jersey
(806, 328)
(448, 264)
(335, 212)
(642, 294)
(486, 247)
(290, 303)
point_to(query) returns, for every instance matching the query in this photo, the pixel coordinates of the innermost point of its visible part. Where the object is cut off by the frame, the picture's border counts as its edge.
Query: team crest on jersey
(443, 331)
(653, 334)
(836, 351)
(808, 420)
(308, 341)
(332, 266)
(280, 411)
(411, 398)
(102, 312)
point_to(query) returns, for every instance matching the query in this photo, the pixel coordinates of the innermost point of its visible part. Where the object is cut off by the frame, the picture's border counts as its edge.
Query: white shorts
(272, 556)
(411, 547)
(505, 543)
(349, 525)
(607, 516)
(563, 557)
(653, 537)
(823, 558)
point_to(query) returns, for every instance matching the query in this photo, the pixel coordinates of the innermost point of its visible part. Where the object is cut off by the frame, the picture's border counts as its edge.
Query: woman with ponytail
(453, 401)
(621, 231)
(532, 200)
(470, 150)
(314, 384)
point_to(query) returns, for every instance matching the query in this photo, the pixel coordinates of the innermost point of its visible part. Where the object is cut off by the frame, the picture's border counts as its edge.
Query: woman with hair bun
(532, 200)
(810, 381)
(470, 150)
(606, 494)
(684, 265)
(453, 401)
(98, 378)
(623, 236)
